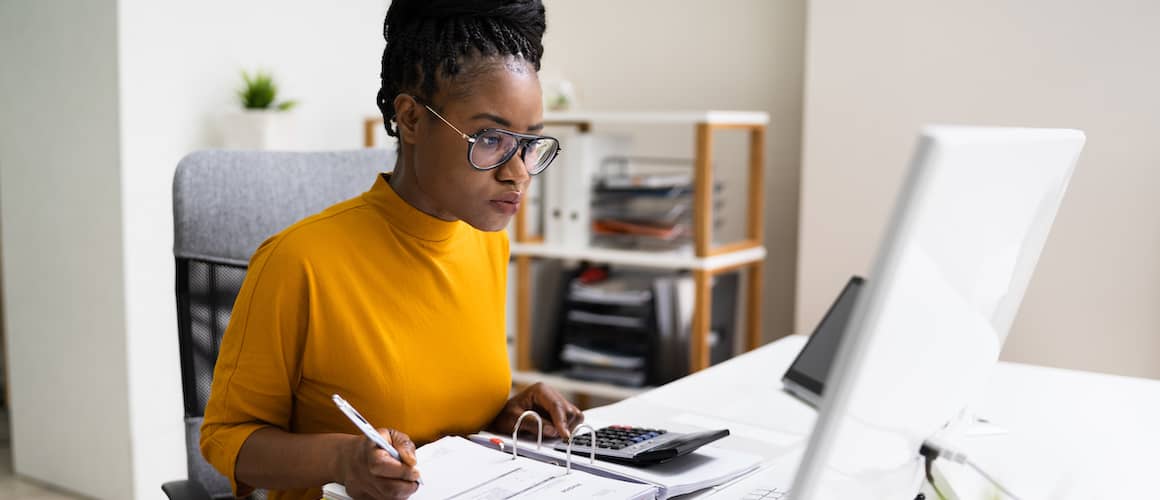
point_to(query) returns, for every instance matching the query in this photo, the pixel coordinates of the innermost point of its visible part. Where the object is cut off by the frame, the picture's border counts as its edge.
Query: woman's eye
(489, 140)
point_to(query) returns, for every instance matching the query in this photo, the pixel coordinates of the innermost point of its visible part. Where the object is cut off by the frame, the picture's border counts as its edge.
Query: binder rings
(488, 466)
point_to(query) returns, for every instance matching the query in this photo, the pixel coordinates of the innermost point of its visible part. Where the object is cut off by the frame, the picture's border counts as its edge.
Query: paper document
(454, 467)
(708, 466)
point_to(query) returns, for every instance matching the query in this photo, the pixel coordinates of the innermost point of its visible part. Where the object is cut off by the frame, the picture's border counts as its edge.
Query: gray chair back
(225, 204)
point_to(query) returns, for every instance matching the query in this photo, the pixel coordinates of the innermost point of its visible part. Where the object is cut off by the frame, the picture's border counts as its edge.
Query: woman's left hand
(560, 416)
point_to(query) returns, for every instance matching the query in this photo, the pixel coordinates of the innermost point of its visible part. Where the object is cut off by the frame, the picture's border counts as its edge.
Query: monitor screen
(955, 259)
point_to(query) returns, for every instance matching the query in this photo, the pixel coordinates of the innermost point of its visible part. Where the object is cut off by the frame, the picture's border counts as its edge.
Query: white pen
(367, 428)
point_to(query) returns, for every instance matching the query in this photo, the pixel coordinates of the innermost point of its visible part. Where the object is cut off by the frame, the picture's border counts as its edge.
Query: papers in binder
(454, 467)
(706, 467)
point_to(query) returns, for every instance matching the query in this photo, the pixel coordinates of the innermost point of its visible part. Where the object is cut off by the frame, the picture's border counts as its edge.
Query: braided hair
(432, 40)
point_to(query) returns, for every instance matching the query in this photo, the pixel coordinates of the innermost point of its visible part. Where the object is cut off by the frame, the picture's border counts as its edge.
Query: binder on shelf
(478, 467)
(568, 217)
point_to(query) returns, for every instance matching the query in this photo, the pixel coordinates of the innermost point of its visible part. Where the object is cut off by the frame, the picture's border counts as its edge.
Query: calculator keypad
(618, 437)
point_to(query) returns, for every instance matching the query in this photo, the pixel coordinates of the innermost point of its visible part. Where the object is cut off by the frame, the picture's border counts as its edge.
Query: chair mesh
(205, 297)
(206, 292)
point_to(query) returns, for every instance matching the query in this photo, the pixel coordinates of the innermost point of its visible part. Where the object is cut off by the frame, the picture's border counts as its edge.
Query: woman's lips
(506, 207)
(508, 203)
(509, 197)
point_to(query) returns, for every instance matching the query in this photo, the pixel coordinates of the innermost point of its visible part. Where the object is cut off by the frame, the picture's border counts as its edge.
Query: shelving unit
(705, 260)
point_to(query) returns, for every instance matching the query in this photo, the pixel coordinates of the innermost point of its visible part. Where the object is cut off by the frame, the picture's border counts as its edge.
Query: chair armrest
(185, 490)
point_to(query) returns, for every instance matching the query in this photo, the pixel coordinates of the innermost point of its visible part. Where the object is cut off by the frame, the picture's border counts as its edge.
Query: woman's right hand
(369, 472)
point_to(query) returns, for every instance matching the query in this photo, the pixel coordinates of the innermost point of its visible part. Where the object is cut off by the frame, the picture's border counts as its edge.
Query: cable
(932, 451)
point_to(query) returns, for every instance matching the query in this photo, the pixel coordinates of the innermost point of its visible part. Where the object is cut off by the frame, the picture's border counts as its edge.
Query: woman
(395, 299)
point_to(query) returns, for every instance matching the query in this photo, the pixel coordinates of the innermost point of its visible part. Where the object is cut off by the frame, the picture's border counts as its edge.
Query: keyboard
(639, 445)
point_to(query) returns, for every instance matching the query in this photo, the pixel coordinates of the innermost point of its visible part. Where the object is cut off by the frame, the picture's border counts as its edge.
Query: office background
(100, 98)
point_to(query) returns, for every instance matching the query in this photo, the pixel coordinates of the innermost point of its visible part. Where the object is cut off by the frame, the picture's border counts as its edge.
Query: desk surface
(1070, 434)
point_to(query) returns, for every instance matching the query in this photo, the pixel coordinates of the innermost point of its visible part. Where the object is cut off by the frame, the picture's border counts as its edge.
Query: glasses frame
(522, 141)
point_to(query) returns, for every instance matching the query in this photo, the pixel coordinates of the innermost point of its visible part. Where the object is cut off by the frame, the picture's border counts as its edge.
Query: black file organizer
(598, 332)
(663, 360)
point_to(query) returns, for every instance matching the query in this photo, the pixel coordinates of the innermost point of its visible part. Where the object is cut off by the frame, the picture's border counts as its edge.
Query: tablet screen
(812, 365)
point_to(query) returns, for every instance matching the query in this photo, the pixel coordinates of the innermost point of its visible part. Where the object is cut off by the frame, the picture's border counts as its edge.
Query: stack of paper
(454, 467)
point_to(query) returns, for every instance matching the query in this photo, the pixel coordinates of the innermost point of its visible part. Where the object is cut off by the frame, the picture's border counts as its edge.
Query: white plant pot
(259, 129)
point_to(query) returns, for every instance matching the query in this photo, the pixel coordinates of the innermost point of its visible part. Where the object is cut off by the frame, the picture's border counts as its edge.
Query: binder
(454, 467)
(707, 467)
(489, 466)
(568, 187)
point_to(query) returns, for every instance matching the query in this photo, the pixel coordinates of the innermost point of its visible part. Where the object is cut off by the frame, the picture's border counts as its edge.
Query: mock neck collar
(406, 217)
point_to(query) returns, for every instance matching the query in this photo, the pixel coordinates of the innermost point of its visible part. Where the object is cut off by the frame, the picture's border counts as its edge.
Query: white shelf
(667, 117)
(565, 384)
(640, 258)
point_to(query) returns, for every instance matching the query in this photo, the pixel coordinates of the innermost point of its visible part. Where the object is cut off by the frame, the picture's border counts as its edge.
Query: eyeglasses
(492, 147)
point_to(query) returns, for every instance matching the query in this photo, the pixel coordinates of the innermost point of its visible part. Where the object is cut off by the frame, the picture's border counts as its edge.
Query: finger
(404, 446)
(575, 416)
(554, 404)
(388, 489)
(386, 467)
(395, 488)
(531, 426)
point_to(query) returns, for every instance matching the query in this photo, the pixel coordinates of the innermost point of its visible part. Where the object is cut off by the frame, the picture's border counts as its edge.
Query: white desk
(1072, 435)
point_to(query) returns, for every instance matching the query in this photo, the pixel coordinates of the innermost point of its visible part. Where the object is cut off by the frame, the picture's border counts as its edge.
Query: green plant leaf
(258, 91)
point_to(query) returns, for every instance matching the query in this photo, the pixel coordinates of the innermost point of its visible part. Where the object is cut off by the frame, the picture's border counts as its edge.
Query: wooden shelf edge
(565, 384)
(642, 258)
(710, 117)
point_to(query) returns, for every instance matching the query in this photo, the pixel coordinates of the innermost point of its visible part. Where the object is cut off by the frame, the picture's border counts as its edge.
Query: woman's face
(504, 94)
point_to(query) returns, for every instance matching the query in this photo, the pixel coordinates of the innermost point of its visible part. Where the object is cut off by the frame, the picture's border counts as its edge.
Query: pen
(366, 428)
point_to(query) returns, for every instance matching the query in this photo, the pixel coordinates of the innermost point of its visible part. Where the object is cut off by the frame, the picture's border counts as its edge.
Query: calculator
(638, 445)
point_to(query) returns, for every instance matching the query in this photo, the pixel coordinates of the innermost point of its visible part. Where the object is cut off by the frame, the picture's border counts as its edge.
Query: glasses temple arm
(453, 127)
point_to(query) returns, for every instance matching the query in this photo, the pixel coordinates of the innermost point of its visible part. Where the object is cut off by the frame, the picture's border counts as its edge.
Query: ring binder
(539, 432)
(591, 448)
(459, 467)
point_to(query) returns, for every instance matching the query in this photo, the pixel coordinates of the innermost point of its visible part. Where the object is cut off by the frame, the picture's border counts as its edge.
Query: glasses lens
(491, 148)
(539, 154)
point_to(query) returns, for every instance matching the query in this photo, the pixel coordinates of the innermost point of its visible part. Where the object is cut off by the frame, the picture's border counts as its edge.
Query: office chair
(225, 204)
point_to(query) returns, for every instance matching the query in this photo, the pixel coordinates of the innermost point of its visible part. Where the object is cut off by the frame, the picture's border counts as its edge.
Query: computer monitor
(806, 376)
(957, 254)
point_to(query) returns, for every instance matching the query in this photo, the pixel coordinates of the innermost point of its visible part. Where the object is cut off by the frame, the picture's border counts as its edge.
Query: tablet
(806, 376)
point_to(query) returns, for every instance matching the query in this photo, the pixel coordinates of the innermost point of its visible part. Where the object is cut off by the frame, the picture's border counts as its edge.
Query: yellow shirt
(400, 313)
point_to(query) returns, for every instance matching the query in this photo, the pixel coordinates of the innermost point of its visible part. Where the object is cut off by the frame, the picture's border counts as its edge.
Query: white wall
(183, 64)
(63, 276)
(179, 66)
(688, 55)
(108, 97)
(876, 71)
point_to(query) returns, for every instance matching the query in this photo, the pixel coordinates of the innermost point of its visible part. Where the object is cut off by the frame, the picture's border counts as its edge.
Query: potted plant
(263, 122)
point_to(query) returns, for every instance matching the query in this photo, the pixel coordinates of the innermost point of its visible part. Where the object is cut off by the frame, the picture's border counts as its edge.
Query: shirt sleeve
(260, 356)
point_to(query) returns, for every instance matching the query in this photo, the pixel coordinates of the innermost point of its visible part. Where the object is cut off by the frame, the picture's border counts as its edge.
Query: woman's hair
(430, 40)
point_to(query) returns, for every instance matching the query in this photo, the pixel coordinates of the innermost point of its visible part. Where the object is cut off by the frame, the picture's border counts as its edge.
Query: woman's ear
(407, 116)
